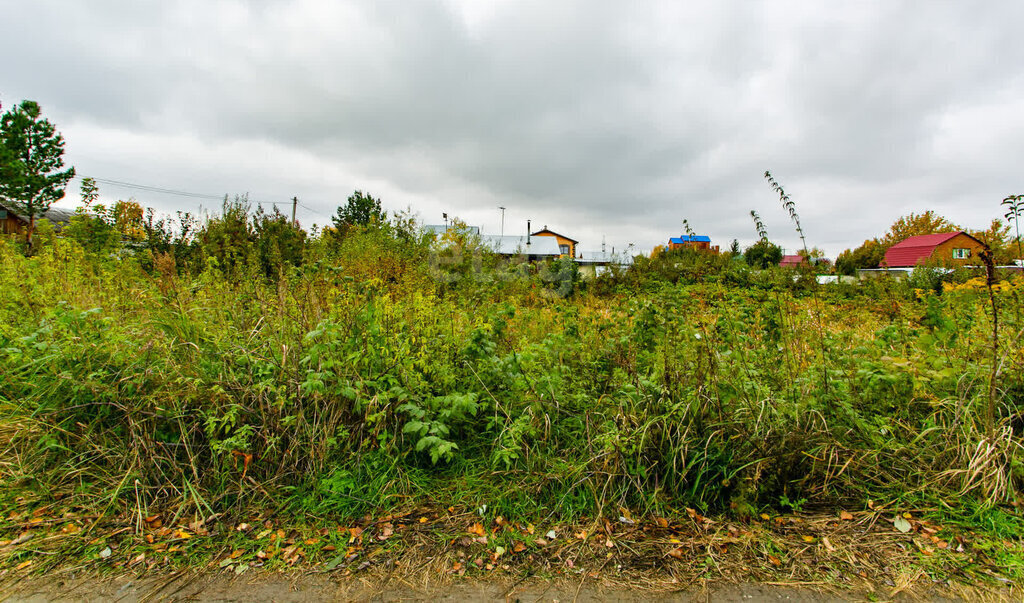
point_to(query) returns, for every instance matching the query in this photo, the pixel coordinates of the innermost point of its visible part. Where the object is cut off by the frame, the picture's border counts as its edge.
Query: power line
(191, 195)
(156, 189)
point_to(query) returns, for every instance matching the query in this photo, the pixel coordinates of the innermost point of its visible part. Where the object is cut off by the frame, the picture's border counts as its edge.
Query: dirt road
(180, 587)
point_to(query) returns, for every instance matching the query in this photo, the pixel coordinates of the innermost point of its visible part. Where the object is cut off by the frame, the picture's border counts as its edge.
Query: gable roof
(911, 251)
(517, 245)
(546, 231)
(792, 260)
(57, 215)
(689, 239)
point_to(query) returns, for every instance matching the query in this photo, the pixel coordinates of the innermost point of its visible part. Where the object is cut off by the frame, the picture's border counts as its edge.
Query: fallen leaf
(765, 516)
(828, 545)
(518, 547)
(901, 524)
(540, 542)
(551, 535)
(424, 520)
(106, 553)
(808, 538)
(311, 541)
(24, 564)
(661, 521)
(774, 560)
(478, 529)
(237, 553)
(676, 553)
(242, 527)
(845, 515)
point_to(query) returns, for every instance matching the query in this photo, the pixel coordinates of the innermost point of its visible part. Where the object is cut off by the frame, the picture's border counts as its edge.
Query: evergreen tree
(31, 162)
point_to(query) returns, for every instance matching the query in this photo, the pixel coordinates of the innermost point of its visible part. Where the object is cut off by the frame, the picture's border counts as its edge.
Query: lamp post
(445, 221)
(502, 208)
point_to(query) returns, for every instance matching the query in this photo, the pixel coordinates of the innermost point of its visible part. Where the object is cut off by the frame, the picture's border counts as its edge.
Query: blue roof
(690, 239)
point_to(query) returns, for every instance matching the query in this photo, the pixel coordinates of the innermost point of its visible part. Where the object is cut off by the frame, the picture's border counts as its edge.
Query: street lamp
(502, 220)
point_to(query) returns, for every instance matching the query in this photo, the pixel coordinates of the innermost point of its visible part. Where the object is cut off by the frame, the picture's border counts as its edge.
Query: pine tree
(31, 162)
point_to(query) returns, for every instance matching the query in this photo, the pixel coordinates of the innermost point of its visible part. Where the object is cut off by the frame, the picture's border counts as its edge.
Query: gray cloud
(596, 118)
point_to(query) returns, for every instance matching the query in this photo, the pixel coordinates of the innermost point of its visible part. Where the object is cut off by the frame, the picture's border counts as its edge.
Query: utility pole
(295, 202)
(502, 220)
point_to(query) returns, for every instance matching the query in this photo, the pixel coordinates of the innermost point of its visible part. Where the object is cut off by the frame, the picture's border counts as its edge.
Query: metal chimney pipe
(527, 232)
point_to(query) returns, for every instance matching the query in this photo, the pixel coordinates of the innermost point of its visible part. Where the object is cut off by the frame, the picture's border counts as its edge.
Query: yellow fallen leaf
(808, 538)
(24, 564)
(845, 515)
(774, 560)
(765, 516)
(424, 520)
(183, 535)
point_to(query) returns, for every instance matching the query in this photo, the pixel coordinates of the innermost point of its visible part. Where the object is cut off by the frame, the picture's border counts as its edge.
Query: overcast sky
(615, 119)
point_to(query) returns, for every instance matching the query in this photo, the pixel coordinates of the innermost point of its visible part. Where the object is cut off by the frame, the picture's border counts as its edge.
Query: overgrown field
(354, 379)
(361, 381)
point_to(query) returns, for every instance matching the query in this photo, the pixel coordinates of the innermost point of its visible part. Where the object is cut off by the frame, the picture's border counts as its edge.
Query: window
(3, 214)
(564, 249)
(961, 254)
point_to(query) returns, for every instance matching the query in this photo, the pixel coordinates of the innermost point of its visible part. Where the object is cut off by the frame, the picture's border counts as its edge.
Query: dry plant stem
(990, 280)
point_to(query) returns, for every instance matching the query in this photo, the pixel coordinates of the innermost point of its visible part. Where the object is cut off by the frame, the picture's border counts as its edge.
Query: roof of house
(690, 239)
(440, 229)
(517, 245)
(57, 215)
(604, 257)
(545, 231)
(914, 250)
(792, 260)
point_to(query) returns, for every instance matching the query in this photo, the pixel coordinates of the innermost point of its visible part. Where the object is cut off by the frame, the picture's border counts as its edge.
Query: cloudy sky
(596, 118)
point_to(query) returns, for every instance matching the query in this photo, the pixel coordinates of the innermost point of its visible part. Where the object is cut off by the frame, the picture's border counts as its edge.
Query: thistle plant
(790, 207)
(1015, 209)
(762, 232)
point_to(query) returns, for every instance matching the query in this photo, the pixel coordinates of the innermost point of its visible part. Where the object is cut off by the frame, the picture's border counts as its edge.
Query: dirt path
(317, 588)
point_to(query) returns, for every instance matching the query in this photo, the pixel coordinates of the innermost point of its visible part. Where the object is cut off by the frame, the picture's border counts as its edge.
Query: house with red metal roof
(954, 248)
(792, 261)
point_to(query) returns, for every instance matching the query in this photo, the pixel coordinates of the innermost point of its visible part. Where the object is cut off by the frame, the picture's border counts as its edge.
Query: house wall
(11, 225)
(705, 245)
(944, 253)
(561, 241)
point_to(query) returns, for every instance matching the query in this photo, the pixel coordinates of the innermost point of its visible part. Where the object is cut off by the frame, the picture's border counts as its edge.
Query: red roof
(792, 260)
(911, 251)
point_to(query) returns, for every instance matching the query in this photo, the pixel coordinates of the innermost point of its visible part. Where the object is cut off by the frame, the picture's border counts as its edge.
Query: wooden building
(702, 242)
(12, 223)
(566, 245)
(947, 248)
